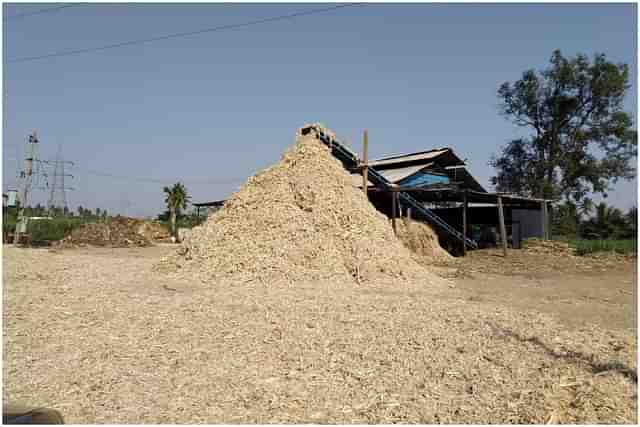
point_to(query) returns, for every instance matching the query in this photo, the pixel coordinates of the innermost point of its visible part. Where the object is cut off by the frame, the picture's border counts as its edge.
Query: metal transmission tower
(26, 182)
(58, 195)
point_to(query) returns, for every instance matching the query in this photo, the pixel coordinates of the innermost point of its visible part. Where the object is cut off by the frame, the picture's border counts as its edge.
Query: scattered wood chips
(423, 242)
(98, 335)
(118, 232)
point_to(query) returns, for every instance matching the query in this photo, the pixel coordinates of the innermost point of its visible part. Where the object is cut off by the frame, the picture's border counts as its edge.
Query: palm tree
(585, 208)
(176, 200)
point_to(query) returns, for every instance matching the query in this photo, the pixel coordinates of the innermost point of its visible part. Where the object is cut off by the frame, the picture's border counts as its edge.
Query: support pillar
(545, 221)
(394, 209)
(503, 230)
(365, 161)
(464, 222)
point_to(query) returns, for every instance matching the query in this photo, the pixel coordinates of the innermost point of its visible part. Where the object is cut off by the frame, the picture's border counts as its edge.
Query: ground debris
(555, 247)
(536, 260)
(420, 238)
(115, 232)
(103, 340)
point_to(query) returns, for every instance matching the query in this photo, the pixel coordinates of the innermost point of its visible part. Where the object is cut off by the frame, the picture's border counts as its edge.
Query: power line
(177, 35)
(40, 11)
(162, 181)
(212, 181)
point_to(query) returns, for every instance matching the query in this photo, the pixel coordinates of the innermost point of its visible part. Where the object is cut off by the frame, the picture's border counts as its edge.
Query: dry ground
(576, 291)
(100, 336)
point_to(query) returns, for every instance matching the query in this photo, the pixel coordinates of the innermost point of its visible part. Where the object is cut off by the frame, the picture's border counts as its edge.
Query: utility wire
(162, 181)
(177, 35)
(40, 11)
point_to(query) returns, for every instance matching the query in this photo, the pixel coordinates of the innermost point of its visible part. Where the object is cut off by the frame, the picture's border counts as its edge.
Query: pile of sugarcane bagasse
(301, 219)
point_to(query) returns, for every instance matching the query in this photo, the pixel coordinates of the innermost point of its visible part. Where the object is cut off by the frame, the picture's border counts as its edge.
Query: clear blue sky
(220, 106)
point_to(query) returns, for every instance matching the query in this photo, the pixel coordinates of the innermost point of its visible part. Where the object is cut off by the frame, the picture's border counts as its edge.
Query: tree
(565, 219)
(176, 200)
(574, 110)
(39, 210)
(609, 222)
(80, 211)
(164, 216)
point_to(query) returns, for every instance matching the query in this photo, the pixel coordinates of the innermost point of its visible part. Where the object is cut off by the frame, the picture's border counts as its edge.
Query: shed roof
(209, 204)
(441, 156)
(462, 175)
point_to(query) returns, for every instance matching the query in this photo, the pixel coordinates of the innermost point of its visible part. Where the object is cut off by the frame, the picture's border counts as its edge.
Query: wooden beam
(365, 162)
(503, 230)
(394, 209)
(545, 221)
(464, 222)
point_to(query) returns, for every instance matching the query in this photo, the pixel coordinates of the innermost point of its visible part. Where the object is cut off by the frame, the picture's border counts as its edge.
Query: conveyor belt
(350, 160)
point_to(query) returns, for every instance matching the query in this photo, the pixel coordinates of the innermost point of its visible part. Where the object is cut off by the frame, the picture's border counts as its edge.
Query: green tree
(608, 222)
(176, 200)
(39, 210)
(574, 110)
(632, 223)
(565, 219)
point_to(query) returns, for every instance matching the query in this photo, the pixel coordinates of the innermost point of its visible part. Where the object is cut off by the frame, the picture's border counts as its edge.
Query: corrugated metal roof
(426, 155)
(461, 174)
(395, 175)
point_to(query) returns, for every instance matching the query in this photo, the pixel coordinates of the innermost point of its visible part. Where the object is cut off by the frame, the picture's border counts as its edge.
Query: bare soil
(575, 290)
(101, 336)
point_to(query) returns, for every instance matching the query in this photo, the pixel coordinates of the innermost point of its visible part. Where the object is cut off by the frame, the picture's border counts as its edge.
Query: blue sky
(212, 109)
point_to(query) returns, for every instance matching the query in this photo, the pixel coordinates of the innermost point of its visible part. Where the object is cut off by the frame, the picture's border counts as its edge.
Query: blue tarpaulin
(423, 178)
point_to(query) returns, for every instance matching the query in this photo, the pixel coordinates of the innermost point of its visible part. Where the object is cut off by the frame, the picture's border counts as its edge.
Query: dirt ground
(577, 291)
(99, 335)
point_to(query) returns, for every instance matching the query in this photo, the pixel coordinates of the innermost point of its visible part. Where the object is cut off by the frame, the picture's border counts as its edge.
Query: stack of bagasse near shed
(302, 219)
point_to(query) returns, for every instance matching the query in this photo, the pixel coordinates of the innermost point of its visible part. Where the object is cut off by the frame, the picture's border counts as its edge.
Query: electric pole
(26, 180)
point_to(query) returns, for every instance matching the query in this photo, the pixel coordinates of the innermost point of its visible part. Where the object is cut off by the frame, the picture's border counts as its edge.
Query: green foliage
(52, 229)
(176, 200)
(610, 222)
(584, 247)
(182, 221)
(176, 197)
(57, 227)
(565, 220)
(190, 221)
(573, 109)
(570, 219)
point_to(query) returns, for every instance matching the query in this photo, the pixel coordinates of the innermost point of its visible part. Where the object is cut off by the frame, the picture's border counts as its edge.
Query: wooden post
(545, 222)
(464, 222)
(503, 231)
(365, 162)
(409, 213)
(394, 209)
